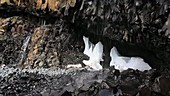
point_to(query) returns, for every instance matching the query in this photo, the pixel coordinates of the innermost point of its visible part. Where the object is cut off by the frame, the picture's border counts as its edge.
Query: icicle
(87, 46)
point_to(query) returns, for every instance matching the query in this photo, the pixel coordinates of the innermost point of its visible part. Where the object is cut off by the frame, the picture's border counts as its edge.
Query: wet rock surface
(45, 46)
(142, 24)
(81, 82)
(36, 47)
(26, 43)
(137, 22)
(14, 30)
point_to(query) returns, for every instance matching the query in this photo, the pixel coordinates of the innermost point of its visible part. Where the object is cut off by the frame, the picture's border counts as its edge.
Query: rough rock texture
(80, 82)
(131, 21)
(45, 46)
(29, 44)
(14, 30)
(135, 22)
(48, 34)
(38, 7)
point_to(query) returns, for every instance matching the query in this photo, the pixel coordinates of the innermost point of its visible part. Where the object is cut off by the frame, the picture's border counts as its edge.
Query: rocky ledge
(82, 82)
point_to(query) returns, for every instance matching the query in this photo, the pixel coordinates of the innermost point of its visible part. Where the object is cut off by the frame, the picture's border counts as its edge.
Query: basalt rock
(44, 48)
(135, 21)
(38, 7)
(84, 83)
(142, 23)
(30, 43)
(27, 43)
(13, 32)
(138, 22)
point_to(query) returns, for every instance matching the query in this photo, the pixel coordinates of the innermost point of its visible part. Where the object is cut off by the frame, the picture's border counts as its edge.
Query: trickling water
(24, 49)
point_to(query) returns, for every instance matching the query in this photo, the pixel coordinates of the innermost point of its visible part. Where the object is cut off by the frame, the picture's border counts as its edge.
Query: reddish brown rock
(34, 5)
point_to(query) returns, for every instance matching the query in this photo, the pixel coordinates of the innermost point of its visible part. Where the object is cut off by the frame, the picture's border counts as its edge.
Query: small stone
(41, 64)
(2, 48)
(105, 92)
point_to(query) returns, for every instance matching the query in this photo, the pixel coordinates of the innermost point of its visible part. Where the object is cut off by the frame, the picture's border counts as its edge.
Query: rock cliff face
(24, 42)
(33, 6)
(41, 29)
(38, 38)
(14, 31)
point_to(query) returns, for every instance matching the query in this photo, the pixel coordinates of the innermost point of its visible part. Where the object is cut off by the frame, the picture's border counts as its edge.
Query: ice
(94, 53)
(123, 63)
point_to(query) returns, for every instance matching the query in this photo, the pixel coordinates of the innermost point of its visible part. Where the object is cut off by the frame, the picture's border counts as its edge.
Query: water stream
(24, 49)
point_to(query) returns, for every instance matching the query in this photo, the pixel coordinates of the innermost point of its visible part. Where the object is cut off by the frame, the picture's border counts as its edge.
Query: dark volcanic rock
(49, 34)
(138, 23)
(40, 8)
(84, 83)
(142, 24)
(29, 44)
(15, 30)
